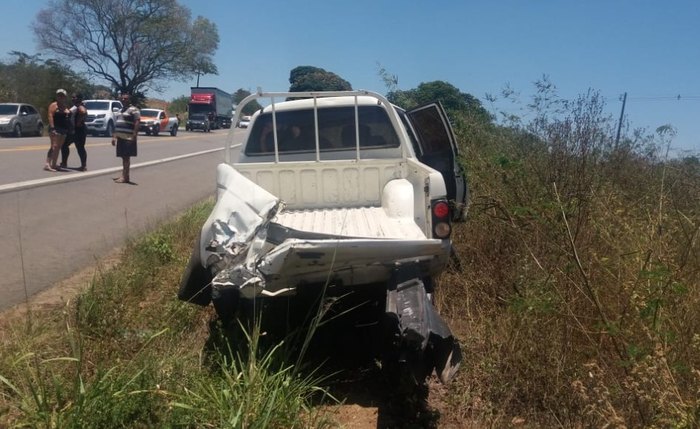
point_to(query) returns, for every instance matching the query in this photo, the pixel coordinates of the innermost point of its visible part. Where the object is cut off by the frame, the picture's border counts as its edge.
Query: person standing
(125, 132)
(78, 113)
(58, 116)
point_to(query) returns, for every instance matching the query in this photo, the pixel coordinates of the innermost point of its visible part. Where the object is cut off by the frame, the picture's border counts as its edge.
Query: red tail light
(441, 210)
(441, 219)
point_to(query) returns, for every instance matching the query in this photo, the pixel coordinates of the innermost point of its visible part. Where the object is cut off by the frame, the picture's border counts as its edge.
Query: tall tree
(309, 78)
(249, 108)
(135, 45)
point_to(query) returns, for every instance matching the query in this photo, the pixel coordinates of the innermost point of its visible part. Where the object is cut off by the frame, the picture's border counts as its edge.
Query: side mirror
(115, 109)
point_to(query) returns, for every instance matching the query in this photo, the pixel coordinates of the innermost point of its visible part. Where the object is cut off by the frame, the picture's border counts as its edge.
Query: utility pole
(619, 124)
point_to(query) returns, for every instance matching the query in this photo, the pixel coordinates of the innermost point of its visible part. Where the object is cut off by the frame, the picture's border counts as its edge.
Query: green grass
(127, 353)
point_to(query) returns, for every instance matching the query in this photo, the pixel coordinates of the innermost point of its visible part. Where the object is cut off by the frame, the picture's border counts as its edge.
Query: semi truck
(215, 104)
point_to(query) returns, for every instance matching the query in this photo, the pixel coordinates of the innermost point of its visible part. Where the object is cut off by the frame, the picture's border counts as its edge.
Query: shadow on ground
(346, 351)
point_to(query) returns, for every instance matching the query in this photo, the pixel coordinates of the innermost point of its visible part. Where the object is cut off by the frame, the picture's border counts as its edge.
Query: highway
(54, 224)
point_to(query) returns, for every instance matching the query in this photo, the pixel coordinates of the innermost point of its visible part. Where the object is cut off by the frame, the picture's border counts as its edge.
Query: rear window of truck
(336, 128)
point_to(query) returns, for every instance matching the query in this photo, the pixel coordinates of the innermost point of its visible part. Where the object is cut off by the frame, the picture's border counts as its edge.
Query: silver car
(19, 119)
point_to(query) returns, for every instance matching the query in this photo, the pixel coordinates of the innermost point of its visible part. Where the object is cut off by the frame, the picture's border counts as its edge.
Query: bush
(579, 262)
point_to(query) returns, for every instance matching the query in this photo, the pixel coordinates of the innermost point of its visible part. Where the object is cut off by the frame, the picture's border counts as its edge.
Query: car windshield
(8, 109)
(97, 105)
(149, 112)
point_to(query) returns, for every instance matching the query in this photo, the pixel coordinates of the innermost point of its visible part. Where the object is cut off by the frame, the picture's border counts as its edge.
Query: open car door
(437, 147)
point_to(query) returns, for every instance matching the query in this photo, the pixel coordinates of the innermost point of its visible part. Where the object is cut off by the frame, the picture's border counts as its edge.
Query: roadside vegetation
(127, 353)
(576, 300)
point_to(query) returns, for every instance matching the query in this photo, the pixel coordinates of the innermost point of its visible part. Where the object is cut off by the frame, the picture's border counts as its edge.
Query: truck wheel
(173, 130)
(156, 130)
(17, 132)
(110, 129)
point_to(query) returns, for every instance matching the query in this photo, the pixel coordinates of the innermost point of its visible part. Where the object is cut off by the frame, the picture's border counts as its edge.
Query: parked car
(101, 116)
(18, 119)
(153, 121)
(198, 122)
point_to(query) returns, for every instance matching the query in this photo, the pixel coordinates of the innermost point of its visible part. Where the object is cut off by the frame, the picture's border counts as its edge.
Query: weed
(125, 353)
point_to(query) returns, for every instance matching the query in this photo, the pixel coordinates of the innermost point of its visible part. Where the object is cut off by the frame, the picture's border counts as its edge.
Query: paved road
(53, 224)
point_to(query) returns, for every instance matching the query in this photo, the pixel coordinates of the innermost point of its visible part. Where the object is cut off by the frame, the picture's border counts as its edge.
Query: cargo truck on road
(215, 104)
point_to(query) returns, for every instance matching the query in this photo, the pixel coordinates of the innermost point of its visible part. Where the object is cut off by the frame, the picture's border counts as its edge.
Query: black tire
(110, 129)
(173, 130)
(17, 130)
(148, 132)
(156, 130)
(40, 129)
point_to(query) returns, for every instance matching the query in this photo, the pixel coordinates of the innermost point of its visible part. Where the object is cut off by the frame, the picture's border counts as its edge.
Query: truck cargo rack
(315, 95)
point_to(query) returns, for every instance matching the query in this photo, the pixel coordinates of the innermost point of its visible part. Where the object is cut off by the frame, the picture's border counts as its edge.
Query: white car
(244, 122)
(101, 116)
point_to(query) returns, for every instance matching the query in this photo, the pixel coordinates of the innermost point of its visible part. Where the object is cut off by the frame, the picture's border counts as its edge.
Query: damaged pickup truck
(337, 196)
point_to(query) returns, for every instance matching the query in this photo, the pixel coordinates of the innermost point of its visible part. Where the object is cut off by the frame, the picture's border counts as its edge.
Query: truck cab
(423, 133)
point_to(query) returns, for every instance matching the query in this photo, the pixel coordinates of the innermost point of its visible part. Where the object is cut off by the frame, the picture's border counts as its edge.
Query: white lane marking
(28, 184)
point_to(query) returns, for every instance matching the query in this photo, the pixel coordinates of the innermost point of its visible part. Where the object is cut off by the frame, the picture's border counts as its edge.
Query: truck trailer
(215, 104)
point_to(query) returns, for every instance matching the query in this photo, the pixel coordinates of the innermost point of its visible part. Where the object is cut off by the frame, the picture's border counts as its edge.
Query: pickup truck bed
(366, 222)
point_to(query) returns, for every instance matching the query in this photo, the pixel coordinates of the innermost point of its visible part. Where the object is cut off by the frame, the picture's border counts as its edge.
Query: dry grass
(578, 301)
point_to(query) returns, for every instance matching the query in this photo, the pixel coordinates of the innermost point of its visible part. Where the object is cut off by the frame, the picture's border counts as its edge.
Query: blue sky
(649, 49)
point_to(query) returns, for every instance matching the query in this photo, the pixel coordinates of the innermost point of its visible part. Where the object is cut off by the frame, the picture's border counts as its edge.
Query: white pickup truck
(337, 194)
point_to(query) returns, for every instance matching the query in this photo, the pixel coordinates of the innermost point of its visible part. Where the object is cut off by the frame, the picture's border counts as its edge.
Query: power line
(663, 98)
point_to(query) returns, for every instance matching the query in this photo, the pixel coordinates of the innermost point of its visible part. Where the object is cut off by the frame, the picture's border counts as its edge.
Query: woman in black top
(58, 128)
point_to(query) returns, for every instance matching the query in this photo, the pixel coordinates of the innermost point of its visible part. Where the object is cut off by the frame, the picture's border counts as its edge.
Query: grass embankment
(127, 353)
(578, 304)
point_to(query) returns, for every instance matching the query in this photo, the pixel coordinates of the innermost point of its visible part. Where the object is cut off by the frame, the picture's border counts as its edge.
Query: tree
(30, 79)
(249, 108)
(309, 78)
(134, 45)
(178, 105)
(203, 29)
(450, 96)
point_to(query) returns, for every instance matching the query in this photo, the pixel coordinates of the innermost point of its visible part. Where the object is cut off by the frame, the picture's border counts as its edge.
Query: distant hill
(155, 103)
